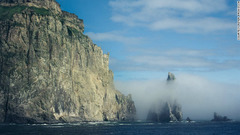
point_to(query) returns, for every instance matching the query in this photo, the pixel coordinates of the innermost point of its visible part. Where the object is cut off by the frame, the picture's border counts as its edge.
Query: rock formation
(51, 71)
(219, 118)
(171, 76)
(165, 111)
(188, 119)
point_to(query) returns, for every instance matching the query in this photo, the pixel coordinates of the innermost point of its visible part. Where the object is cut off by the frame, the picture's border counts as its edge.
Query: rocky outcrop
(46, 4)
(51, 71)
(171, 77)
(166, 111)
(188, 119)
(219, 118)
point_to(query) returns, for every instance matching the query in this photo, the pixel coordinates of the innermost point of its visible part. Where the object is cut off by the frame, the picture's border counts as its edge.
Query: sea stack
(52, 72)
(219, 118)
(166, 111)
(171, 77)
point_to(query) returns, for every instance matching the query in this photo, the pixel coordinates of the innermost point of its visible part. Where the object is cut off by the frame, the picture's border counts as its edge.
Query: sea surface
(123, 128)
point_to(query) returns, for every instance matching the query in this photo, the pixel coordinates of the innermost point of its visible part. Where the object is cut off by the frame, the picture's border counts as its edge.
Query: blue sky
(148, 38)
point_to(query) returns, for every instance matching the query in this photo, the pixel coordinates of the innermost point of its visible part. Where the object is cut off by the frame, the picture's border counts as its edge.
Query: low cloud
(177, 59)
(198, 96)
(185, 16)
(200, 25)
(114, 36)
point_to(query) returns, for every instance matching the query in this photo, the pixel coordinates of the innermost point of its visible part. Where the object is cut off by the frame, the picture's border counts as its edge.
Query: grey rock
(52, 72)
(47, 4)
(219, 118)
(188, 119)
(165, 111)
(171, 76)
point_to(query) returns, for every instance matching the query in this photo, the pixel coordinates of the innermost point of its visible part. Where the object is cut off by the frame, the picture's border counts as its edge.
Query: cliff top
(42, 7)
(47, 4)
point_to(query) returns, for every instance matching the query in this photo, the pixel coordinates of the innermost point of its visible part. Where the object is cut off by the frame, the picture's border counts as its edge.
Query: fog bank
(199, 97)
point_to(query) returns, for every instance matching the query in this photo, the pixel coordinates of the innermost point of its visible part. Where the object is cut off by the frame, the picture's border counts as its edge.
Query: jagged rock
(171, 76)
(188, 119)
(51, 71)
(165, 111)
(219, 118)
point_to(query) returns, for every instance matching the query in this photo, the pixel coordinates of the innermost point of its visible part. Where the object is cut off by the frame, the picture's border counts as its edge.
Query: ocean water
(123, 128)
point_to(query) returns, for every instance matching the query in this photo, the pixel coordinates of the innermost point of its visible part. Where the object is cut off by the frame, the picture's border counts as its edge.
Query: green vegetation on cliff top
(7, 12)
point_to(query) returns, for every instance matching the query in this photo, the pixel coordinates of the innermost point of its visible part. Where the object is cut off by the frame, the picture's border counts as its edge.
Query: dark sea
(123, 128)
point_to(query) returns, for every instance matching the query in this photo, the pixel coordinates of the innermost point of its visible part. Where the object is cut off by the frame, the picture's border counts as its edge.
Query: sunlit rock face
(51, 71)
(165, 111)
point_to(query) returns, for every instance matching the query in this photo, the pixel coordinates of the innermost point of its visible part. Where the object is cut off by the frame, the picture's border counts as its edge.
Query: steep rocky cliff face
(50, 71)
(166, 110)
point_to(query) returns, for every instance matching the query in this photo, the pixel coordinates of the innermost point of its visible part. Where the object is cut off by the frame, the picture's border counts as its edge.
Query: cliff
(51, 71)
(166, 110)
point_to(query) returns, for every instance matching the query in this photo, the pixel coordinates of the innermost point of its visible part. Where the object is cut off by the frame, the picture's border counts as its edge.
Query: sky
(194, 39)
